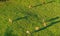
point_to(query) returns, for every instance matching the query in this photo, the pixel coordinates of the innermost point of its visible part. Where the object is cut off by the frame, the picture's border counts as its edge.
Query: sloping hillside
(30, 18)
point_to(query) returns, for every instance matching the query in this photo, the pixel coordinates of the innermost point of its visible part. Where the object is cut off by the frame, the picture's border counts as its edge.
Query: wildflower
(37, 28)
(30, 6)
(10, 20)
(28, 32)
(44, 23)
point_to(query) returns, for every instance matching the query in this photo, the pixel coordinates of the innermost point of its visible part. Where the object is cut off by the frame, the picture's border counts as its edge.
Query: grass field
(21, 17)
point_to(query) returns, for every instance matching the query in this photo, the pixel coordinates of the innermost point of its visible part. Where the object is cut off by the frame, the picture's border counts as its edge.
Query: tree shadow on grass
(27, 17)
(52, 19)
(9, 31)
(42, 4)
(51, 24)
(20, 18)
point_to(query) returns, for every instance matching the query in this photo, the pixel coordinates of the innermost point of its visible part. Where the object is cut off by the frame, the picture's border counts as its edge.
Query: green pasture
(25, 19)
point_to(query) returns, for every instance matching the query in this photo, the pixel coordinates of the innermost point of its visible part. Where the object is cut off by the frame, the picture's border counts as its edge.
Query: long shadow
(52, 19)
(20, 18)
(51, 24)
(26, 12)
(43, 3)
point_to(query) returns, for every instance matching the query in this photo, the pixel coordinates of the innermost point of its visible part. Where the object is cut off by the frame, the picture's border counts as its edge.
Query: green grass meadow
(24, 18)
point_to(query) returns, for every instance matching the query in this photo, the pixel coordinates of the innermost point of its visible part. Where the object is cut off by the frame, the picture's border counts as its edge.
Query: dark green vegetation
(3, 0)
(24, 18)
